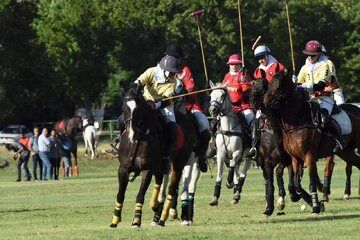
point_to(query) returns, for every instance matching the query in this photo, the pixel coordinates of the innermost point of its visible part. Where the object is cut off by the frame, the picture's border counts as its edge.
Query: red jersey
(25, 142)
(238, 86)
(191, 102)
(270, 72)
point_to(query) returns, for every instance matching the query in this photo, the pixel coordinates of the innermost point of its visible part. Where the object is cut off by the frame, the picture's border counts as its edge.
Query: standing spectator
(66, 155)
(44, 149)
(34, 149)
(22, 154)
(55, 154)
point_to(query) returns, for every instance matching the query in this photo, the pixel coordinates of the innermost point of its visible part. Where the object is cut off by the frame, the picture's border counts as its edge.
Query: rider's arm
(301, 78)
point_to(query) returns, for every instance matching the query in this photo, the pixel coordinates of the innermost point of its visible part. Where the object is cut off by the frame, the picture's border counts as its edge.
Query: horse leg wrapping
(217, 191)
(230, 178)
(117, 215)
(173, 212)
(315, 202)
(158, 210)
(165, 211)
(280, 183)
(241, 183)
(327, 182)
(236, 196)
(348, 187)
(191, 206)
(137, 218)
(269, 196)
(184, 210)
(154, 197)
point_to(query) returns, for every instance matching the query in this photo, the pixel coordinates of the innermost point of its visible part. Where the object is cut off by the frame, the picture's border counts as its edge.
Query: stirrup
(252, 153)
(338, 147)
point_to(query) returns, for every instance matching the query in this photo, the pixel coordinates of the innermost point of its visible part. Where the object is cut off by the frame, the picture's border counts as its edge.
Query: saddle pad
(344, 122)
(180, 139)
(62, 125)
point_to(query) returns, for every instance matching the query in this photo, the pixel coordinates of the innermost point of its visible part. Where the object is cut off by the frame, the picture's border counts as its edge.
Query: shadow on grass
(23, 210)
(341, 199)
(315, 218)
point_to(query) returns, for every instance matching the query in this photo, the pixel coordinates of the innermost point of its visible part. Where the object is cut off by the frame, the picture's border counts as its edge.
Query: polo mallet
(290, 36)
(197, 15)
(256, 43)
(241, 34)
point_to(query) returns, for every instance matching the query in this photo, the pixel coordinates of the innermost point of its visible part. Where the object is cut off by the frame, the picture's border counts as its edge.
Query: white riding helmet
(261, 50)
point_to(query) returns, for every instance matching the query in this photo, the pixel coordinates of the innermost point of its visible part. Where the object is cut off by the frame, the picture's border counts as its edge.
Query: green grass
(82, 208)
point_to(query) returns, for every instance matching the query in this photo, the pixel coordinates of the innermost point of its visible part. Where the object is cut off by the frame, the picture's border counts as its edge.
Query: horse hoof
(185, 223)
(229, 185)
(322, 207)
(161, 223)
(113, 225)
(314, 214)
(267, 213)
(281, 214)
(295, 198)
(191, 223)
(346, 197)
(325, 198)
(135, 226)
(280, 205)
(173, 215)
(214, 202)
(234, 201)
(153, 224)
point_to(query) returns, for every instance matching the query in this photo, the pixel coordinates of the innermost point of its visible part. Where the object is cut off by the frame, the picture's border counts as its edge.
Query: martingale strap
(230, 133)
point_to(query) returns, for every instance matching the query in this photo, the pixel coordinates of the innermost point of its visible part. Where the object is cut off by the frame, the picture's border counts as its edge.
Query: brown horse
(141, 151)
(289, 110)
(70, 127)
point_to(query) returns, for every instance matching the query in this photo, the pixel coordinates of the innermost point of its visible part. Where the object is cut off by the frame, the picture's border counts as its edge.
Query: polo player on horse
(268, 68)
(159, 83)
(192, 105)
(314, 76)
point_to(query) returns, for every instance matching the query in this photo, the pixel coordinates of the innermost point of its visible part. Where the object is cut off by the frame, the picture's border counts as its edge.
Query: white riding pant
(338, 96)
(168, 113)
(201, 120)
(190, 176)
(326, 102)
(249, 116)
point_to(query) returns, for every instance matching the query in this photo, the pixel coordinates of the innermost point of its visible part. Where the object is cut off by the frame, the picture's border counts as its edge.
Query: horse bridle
(140, 126)
(219, 106)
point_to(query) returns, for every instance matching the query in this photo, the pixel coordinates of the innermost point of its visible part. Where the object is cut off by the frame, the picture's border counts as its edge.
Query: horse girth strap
(230, 133)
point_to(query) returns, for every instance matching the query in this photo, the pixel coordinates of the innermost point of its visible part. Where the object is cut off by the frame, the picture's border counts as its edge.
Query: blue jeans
(47, 170)
(23, 160)
(36, 159)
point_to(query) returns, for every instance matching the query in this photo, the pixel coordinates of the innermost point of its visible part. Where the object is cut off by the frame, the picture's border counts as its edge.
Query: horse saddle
(339, 118)
(342, 120)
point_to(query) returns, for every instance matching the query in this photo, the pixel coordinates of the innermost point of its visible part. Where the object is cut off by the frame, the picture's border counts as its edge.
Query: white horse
(229, 144)
(90, 139)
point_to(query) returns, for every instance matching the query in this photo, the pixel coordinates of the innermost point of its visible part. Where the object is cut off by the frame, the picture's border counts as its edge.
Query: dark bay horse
(301, 139)
(70, 127)
(141, 151)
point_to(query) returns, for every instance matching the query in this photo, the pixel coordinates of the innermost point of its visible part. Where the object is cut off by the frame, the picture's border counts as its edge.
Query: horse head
(279, 91)
(218, 100)
(259, 88)
(137, 114)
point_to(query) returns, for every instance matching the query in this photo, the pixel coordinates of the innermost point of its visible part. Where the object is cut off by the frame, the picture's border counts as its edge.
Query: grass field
(82, 208)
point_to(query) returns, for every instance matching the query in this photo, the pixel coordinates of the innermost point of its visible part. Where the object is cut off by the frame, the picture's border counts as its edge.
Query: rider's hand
(294, 79)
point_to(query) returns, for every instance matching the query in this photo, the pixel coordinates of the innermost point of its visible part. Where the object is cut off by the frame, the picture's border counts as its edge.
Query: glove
(162, 104)
(294, 79)
(320, 86)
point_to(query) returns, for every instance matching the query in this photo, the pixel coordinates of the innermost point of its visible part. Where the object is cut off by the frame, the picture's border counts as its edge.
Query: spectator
(44, 149)
(55, 154)
(22, 154)
(34, 149)
(66, 155)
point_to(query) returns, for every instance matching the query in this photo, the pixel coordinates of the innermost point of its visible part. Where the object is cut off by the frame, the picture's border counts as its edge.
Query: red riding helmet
(313, 48)
(234, 59)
